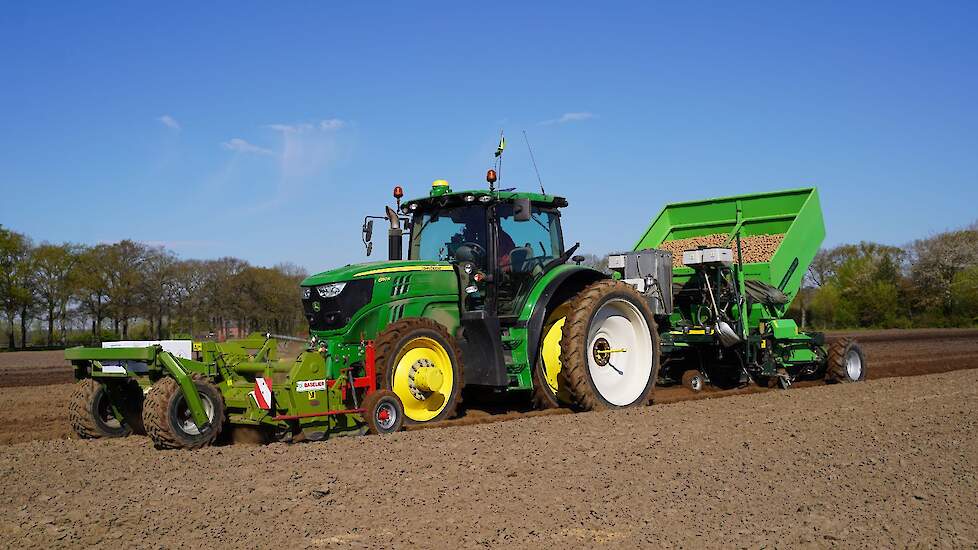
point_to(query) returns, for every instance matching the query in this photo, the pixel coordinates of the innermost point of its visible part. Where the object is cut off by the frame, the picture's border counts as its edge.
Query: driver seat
(518, 257)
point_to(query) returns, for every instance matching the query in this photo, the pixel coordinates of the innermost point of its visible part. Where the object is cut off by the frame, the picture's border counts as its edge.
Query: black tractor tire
(383, 412)
(574, 353)
(843, 354)
(397, 334)
(166, 416)
(543, 397)
(90, 414)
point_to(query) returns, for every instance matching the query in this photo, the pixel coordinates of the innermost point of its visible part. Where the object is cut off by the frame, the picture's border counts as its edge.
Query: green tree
(124, 270)
(16, 282)
(53, 266)
(90, 285)
(157, 288)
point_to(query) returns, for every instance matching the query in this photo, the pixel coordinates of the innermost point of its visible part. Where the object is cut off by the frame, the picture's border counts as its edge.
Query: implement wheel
(419, 361)
(846, 362)
(693, 380)
(90, 409)
(609, 350)
(383, 412)
(168, 420)
(548, 390)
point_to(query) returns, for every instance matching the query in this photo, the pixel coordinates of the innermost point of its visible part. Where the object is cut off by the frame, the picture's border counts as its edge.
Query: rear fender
(556, 287)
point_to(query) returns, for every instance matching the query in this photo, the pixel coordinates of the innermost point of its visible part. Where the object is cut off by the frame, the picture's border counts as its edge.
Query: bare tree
(936, 262)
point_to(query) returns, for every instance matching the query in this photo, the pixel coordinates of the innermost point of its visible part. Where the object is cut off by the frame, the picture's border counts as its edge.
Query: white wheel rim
(187, 424)
(854, 365)
(619, 325)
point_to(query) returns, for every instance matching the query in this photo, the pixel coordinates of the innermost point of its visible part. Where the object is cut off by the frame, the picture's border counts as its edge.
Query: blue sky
(267, 130)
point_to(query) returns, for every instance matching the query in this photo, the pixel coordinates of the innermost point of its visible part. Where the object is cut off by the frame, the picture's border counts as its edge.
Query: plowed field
(892, 462)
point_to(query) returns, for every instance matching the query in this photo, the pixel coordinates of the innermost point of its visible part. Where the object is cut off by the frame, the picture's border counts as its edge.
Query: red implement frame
(368, 380)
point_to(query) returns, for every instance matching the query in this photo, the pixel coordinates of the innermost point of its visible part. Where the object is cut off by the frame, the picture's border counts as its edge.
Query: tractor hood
(354, 272)
(354, 298)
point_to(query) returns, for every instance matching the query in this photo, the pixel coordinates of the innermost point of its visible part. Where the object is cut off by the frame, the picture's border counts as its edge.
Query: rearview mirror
(522, 210)
(368, 234)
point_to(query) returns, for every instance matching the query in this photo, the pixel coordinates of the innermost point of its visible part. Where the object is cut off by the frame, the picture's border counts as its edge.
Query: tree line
(59, 294)
(931, 282)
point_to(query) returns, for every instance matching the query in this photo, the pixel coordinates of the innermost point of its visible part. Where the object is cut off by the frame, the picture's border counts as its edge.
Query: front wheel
(609, 350)
(169, 422)
(420, 362)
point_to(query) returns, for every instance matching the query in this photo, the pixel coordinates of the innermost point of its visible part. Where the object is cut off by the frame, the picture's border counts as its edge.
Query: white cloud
(302, 127)
(242, 146)
(331, 124)
(571, 117)
(169, 122)
(307, 152)
(291, 128)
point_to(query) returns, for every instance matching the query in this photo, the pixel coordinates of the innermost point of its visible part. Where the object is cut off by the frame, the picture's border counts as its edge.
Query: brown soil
(39, 412)
(885, 463)
(32, 358)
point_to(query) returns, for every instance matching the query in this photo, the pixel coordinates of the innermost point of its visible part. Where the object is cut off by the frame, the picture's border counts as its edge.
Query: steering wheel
(476, 250)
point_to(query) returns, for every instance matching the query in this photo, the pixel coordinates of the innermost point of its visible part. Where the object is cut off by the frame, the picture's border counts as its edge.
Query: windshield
(450, 235)
(529, 245)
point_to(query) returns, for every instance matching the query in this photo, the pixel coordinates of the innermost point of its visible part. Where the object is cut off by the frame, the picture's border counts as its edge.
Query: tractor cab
(501, 241)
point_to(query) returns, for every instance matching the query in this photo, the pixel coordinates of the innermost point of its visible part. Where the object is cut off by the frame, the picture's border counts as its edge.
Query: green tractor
(484, 300)
(489, 299)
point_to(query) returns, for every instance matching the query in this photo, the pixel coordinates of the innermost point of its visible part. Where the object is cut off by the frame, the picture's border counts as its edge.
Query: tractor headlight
(331, 290)
(306, 293)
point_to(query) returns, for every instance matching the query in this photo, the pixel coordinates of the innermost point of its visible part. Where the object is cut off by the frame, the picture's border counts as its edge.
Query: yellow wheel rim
(421, 354)
(550, 353)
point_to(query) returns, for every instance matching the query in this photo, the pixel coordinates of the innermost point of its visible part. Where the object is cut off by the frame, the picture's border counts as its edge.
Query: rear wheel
(419, 362)
(93, 414)
(846, 362)
(169, 422)
(609, 351)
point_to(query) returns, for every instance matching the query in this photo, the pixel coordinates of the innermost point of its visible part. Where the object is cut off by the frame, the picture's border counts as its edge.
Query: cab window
(527, 246)
(456, 234)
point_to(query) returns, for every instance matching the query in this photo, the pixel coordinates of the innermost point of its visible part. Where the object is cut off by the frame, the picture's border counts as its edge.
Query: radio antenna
(535, 169)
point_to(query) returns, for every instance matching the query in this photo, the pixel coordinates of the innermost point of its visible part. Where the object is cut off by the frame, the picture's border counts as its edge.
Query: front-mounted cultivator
(185, 402)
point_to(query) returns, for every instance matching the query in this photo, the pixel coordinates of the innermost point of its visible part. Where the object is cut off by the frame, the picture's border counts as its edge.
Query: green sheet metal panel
(795, 213)
(146, 354)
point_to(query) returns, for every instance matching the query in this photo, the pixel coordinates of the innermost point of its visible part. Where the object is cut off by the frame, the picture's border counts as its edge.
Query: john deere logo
(315, 307)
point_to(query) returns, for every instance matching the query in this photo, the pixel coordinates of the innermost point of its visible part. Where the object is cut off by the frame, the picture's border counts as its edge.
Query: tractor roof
(452, 198)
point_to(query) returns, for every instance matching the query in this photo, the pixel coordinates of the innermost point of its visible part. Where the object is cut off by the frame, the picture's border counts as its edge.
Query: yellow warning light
(439, 187)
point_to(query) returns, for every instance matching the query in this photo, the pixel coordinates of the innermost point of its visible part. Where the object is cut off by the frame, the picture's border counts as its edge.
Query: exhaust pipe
(394, 244)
